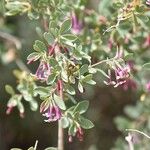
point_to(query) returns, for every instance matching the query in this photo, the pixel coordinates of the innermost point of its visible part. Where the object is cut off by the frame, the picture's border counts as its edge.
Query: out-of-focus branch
(14, 40)
(21, 65)
(140, 132)
(11, 38)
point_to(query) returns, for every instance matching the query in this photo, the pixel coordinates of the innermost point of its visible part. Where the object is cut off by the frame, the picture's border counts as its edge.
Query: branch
(134, 130)
(60, 136)
(11, 38)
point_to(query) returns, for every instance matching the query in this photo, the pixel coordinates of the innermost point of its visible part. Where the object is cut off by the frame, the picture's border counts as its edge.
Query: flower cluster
(120, 75)
(50, 110)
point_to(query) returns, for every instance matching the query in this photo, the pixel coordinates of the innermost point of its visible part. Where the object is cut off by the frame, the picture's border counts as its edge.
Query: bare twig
(101, 62)
(134, 130)
(35, 146)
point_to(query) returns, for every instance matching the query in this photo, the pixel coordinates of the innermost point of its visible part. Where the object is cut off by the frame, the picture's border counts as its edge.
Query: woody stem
(60, 136)
(60, 129)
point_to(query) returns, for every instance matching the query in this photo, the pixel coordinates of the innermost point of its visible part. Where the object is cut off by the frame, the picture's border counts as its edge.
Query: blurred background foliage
(111, 109)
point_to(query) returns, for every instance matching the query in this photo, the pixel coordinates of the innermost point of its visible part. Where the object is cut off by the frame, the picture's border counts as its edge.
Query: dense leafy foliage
(74, 44)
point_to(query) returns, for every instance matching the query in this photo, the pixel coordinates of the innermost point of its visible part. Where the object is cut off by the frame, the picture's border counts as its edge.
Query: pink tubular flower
(79, 134)
(110, 43)
(148, 2)
(147, 41)
(53, 113)
(9, 110)
(43, 71)
(121, 74)
(51, 49)
(148, 86)
(60, 88)
(76, 24)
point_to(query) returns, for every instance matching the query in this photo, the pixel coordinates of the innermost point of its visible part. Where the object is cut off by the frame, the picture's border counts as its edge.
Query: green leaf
(87, 78)
(146, 66)
(51, 148)
(49, 38)
(33, 105)
(31, 148)
(128, 56)
(39, 46)
(20, 107)
(70, 97)
(72, 130)
(69, 37)
(15, 149)
(59, 102)
(64, 122)
(52, 25)
(34, 56)
(91, 82)
(85, 123)
(66, 25)
(53, 62)
(41, 91)
(81, 107)
(84, 69)
(118, 5)
(92, 70)
(9, 90)
(70, 90)
(80, 87)
(51, 78)
(143, 18)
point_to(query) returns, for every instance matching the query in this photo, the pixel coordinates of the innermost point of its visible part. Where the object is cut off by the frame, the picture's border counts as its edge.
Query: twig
(100, 62)
(134, 130)
(35, 146)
